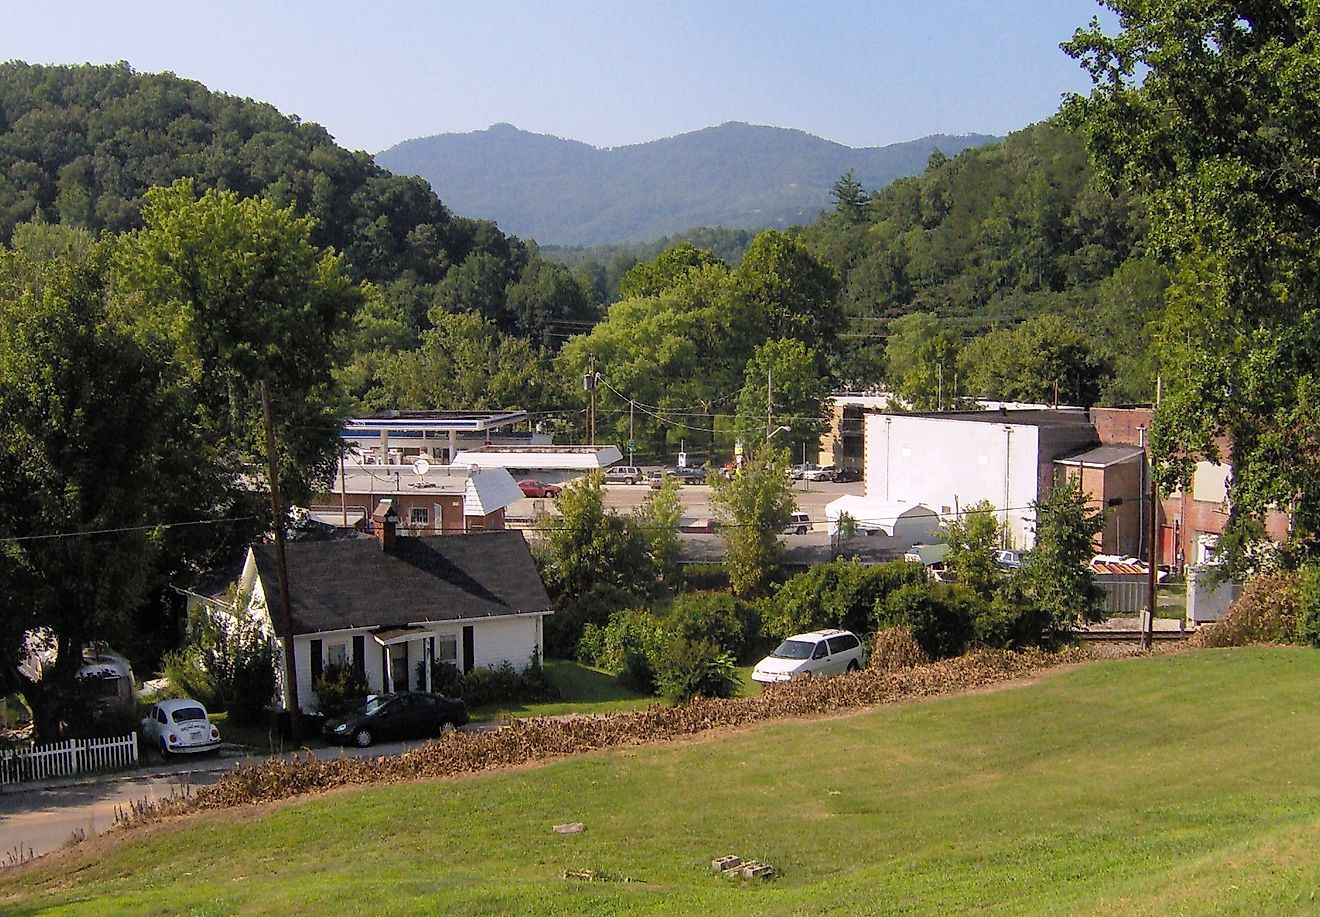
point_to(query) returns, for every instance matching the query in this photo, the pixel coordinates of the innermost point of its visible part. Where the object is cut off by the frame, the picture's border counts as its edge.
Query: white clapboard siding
(67, 758)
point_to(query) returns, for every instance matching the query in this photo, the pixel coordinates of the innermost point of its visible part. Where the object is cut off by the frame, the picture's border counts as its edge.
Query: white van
(798, 524)
(623, 474)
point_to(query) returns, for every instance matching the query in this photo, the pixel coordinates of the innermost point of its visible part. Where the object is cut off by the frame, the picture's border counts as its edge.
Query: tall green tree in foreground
(85, 434)
(753, 507)
(973, 539)
(1207, 108)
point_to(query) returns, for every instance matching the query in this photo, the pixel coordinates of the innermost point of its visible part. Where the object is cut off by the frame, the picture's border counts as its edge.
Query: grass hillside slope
(1181, 783)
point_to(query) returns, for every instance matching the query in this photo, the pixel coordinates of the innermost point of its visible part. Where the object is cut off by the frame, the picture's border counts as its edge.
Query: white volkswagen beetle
(179, 726)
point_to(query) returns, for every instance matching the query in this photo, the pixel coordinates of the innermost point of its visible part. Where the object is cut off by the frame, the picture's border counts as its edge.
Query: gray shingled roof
(356, 584)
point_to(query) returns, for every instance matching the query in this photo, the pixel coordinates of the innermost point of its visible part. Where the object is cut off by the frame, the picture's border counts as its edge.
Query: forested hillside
(985, 241)
(81, 145)
(563, 192)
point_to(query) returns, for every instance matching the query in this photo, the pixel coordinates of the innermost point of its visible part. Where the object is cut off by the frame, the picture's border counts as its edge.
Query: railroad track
(1126, 636)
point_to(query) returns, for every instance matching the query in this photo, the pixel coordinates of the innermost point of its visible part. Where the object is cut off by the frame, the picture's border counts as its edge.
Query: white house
(948, 461)
(392, 605)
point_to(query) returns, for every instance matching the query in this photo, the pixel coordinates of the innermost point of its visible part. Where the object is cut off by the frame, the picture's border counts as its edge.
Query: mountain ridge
(565, 192)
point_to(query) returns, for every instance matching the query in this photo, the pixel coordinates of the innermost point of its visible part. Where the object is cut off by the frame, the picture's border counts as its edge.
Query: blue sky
(607, 73)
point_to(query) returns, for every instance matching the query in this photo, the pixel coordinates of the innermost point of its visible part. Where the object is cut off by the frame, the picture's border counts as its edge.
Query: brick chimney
(386, 520)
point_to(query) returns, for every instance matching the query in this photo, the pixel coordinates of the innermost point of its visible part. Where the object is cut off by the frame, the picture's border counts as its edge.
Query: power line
(129, 528)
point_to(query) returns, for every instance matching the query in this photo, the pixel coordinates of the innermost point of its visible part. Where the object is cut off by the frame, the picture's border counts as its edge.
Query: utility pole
(589, 382)
(632, 442)
(769, 405)
(282, 570)
(1147, 632)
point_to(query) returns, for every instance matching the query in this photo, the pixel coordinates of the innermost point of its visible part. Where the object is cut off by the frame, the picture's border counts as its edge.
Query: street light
(780, 429)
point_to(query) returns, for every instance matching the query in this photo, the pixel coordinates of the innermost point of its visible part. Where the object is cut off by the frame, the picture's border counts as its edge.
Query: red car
(533, 488)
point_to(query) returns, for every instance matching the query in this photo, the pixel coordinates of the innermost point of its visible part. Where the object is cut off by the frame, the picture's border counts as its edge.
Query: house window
(419, 515)
(336, 654)
(446, 648)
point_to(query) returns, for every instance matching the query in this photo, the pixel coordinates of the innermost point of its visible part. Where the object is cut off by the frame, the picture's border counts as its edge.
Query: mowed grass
(1185, 783)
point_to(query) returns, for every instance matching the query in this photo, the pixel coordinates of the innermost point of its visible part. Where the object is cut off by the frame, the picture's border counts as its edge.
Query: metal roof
(1103, 456)
(433, 421)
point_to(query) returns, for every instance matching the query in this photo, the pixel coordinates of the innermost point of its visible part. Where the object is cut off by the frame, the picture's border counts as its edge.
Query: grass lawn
(1182, 783)
(584, 689)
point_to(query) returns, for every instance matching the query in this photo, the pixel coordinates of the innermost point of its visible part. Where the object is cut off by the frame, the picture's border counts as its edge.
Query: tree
(670, 266)
(584, 545)
(1204, 107)
(85, 434)
(921, 357)
(659, 519)
(790, 292)
(973, 539)
(1044, 359)
(238, 291)
(788, 372)
(849, 199)
(1055, 580)
(753, 507)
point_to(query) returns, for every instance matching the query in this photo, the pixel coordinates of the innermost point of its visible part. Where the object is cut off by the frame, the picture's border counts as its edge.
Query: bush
(564, 628)
(725, 620)
(939, 617)
(842, 594)
(505, 684)
(1308, 600)
(698, 577)
(340, 688)
(229, 665)
(1268, 611)
(638, 674)
(695, 668)
(895, 650)
(447, 679)
(633, 630)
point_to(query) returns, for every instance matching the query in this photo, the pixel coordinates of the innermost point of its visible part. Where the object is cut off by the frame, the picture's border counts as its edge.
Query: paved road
(38, 818)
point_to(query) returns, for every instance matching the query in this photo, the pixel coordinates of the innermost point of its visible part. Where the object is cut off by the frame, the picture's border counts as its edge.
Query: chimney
(386, 520)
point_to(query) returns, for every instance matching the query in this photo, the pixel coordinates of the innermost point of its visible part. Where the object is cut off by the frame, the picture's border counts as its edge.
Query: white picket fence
(64, 759)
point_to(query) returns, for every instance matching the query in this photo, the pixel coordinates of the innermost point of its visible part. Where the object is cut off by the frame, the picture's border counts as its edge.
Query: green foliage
(921, 361)
(503, 683)
(941, 618)
(446, 678)
(1055, 579)
(188, 677)
(655, 277)
(340, 688)
(629, 630)
(790, 373)
(1198, 106)
(1308, 600)
(973, 539)
(565, 628)
(686, 669)
(723, 619)
(791, 292)
(842, 594)
(1044, 359)
(753, 507)
(659, 518)
(586, 547)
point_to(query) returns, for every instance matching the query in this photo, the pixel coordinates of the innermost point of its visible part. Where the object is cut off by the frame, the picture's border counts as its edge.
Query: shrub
(1008, 622)
(895, 650)
(637, 674)
(188, 677)
(697, 577)
(446, 679)
(695, 668)
(1267, 611)
(939, 617)
(1308, 600)
(229, 665)
(724, 619)
(340, 688)
(633, 630)
(564, 628)
(505, 684)
(842, 594)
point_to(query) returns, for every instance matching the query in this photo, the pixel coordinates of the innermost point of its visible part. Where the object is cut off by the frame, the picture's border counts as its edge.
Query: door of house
(399, 680)
(469, 654)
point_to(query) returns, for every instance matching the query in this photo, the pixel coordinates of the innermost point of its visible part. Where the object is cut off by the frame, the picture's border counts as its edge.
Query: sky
(605, 73)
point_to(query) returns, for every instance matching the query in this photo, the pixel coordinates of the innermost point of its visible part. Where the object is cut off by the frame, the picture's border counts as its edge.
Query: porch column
(428, 658)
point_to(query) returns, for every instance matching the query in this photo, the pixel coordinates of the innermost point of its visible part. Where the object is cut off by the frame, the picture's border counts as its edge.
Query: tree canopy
(1205, 107)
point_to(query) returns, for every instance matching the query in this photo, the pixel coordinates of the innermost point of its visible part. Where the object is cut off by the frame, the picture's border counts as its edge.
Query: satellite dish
(421, 467)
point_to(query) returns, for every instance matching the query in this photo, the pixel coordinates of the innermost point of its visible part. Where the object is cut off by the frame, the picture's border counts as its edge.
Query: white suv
(820, 652)
(623, 474)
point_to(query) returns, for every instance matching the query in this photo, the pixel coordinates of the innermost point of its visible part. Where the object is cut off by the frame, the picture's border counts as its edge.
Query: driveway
(36, 818)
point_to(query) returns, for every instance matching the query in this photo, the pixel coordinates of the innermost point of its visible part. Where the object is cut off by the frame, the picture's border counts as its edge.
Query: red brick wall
(1120, 425)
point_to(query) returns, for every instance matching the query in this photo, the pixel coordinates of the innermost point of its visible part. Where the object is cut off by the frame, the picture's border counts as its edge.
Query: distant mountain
(562, 192)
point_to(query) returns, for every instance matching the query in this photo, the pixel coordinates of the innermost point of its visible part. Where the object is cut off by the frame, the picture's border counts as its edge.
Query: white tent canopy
(907, 523)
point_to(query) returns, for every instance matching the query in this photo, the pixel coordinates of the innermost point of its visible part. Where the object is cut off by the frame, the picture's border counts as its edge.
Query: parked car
(844, 475)
(1009, 560)
(820, 652)
(823, 473)
(690, 475)
(533, 488)
(798, 524)
(179, 726)
(655, 479)
(410, 715)
(623, 474)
